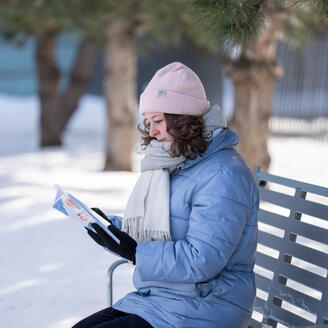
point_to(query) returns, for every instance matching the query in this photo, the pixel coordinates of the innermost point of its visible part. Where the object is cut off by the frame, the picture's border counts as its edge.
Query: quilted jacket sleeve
(116, 220)
(219, 212)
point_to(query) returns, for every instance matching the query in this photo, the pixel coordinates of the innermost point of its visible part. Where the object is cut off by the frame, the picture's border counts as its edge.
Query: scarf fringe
(133, 227)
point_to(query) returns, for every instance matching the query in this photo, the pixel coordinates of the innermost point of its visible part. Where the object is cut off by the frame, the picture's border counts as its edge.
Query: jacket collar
(225, 139)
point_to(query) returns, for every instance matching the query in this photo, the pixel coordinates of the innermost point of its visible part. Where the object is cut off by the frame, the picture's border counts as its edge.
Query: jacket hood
(225, 139)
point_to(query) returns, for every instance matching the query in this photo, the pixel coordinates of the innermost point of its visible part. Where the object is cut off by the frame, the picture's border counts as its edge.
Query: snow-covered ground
(51, 273)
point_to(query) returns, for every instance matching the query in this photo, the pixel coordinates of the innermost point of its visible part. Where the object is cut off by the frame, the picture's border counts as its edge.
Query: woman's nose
(152, 131)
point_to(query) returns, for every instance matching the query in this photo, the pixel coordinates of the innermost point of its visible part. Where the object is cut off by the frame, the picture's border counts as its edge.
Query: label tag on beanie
(161, 94)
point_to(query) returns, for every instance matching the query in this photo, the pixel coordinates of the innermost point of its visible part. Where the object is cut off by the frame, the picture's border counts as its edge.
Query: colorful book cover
(75, 209)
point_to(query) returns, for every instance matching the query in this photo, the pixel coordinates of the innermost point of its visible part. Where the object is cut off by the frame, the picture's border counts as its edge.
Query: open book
(75, 209)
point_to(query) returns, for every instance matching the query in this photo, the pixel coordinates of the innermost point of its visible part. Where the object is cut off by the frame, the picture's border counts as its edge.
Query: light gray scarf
(147, 214)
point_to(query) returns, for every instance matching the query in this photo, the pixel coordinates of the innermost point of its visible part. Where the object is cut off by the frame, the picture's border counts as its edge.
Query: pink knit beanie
(174, 89)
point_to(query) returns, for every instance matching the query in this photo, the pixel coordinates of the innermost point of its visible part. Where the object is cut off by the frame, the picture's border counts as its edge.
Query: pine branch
(320, 7)
(258, 4)
(232, 22)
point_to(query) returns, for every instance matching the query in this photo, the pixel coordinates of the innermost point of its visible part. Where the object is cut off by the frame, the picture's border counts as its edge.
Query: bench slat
(277, 198)
(290, 202)
(302, 276)
(262, 282)
(273, 219)
(305, 229)
(300, 228)
(252, 323)
(269, 240)
(259, 305)
(308, 254)
(266, 261)
(298, 298)
(290, 183)
(286, 318)
(312, 208)
(310, 231)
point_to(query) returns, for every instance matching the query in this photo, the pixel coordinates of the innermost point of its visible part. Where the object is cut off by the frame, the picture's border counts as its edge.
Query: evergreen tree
(251, 30)
(252, 26)
(134, 27)
(45, 20)
(118, 23)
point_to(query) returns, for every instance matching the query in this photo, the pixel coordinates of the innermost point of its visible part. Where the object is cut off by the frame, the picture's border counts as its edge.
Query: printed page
(75, 209)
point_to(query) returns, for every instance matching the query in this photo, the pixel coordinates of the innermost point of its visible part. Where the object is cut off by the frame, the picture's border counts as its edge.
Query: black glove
(127, 246)
(101, 213)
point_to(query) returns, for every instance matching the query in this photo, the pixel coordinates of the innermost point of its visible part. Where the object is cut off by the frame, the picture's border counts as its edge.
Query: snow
(52, 274)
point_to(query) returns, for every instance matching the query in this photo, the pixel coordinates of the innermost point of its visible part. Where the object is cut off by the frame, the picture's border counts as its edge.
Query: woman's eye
(157, 122)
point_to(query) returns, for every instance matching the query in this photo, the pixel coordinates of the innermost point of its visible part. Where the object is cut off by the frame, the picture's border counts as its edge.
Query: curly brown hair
(187, 132)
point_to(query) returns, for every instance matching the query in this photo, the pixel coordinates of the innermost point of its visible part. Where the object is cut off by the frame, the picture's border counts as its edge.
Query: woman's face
(158, 128)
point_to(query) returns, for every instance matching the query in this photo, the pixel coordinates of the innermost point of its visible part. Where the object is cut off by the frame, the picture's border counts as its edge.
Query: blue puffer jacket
(204, 277)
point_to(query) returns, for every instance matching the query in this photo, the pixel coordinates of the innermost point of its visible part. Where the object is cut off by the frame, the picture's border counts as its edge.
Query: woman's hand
(126, 248)
(101, 213)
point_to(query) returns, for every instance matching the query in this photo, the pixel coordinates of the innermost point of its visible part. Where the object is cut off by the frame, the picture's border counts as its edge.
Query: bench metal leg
(110, 280)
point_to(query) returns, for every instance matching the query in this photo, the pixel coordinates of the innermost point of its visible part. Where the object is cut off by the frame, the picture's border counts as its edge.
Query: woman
(190, 225)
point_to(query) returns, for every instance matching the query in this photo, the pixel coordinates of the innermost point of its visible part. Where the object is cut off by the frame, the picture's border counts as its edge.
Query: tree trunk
(120, 93)
(254, 75)
(56, 108)
(48, 75)
(79, 81)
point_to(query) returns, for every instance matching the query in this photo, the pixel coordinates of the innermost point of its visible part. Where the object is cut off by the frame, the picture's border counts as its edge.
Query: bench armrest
(110, 280)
